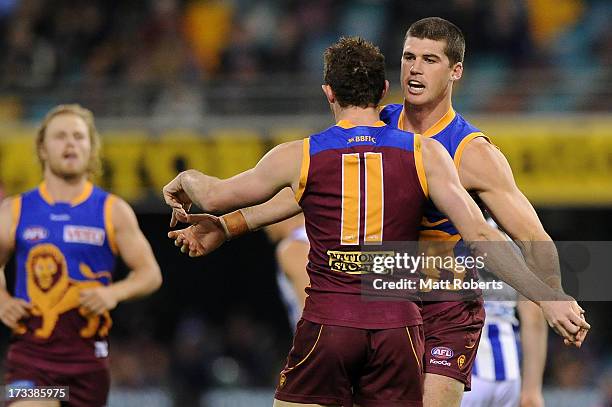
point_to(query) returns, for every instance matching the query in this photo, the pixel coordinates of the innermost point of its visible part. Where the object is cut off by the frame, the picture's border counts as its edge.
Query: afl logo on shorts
(442, 352)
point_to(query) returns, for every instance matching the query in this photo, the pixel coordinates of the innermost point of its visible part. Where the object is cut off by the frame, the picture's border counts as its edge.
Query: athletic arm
(144, 276)
(282, 206)
(485, 170)
(12, 310)
(278, 169)
(451, 198)
(207, 232)
(534, 335)
(134, 249)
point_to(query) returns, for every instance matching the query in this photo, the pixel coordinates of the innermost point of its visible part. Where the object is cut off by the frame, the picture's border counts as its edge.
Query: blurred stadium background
(214, 84)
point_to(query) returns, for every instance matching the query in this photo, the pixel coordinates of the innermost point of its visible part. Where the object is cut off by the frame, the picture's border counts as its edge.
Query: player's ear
(457, 71)
(385, 90)
(329, 94)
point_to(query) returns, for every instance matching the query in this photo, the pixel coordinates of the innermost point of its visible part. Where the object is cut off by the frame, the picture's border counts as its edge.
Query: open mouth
(415, 86)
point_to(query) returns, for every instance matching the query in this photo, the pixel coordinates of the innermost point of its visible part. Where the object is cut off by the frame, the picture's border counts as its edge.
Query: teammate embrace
(365, 181)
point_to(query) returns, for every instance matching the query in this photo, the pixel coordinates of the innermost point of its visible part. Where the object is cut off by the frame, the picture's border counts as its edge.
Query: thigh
(451, 341)
(321, 364)
(393, 374)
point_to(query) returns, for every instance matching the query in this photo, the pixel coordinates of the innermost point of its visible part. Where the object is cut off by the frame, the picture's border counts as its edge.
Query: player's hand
(565, 317)
(176, 197)
(12, 310)
(205, 235)
(98, 300)
(531, 399)
(580, 336)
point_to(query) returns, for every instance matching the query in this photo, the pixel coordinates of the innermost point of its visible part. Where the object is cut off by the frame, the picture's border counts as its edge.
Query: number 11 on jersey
(351, 198)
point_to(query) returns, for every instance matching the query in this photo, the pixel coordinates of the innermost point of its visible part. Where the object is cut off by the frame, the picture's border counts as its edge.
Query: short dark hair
(355, 70)
(438, 29)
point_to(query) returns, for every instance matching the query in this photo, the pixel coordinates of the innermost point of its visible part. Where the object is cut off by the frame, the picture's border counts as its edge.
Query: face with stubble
(66, 147)
(427, 75)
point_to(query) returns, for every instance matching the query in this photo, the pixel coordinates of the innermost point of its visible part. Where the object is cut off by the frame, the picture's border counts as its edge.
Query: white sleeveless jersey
(498, 357)
(496, 375)
(291, 301)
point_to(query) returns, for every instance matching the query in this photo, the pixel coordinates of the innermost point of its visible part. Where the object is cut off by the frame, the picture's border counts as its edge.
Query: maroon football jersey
(360, 188)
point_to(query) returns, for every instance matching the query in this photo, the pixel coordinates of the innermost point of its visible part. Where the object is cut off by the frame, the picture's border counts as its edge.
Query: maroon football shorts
(87, 389)
(451, 339)
(335, 365)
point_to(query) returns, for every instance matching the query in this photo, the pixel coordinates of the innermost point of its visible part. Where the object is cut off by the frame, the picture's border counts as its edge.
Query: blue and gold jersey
(74, 240)
(453, 132)
(60, 249)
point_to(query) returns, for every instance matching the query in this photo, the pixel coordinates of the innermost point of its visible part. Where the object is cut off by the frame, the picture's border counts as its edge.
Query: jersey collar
(82, 197)
(436, 128)
(346, 124)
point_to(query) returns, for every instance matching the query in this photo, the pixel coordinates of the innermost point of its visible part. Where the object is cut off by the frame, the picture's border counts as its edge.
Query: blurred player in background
(333, 368)
(292, 249)
(65, 235)
(496, 375)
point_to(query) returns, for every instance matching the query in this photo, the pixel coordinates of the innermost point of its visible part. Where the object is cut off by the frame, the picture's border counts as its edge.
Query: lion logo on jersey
(53, 293)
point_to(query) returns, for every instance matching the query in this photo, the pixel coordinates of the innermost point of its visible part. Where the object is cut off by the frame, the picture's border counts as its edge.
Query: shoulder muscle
(483, 166)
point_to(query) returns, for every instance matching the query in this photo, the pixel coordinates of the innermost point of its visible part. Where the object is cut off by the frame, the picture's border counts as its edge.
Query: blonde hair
(95, 165)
